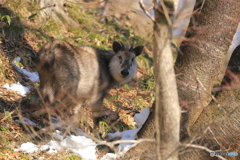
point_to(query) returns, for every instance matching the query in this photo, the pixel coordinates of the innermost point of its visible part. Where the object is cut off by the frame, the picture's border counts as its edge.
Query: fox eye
(120, 57)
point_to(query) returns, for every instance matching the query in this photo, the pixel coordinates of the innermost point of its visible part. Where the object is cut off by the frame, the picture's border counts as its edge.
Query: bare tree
(167, 110)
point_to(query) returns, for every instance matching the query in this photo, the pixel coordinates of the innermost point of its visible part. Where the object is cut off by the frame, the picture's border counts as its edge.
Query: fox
(76, 76)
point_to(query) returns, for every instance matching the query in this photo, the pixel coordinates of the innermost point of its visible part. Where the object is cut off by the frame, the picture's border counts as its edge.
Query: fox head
(123, 65)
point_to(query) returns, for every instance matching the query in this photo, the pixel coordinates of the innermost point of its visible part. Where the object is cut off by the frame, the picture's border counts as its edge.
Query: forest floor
(22, 34)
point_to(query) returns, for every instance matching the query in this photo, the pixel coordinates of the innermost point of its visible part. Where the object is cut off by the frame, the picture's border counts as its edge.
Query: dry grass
(22, 34)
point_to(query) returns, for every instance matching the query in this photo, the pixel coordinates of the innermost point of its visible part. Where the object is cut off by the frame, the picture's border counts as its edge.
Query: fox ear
(138, 50)
(117, 46)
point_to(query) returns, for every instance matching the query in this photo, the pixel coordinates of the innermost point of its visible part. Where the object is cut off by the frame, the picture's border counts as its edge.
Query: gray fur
(76, 76)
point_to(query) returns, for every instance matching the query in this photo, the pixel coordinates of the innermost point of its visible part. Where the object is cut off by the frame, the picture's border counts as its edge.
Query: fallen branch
(203, 148)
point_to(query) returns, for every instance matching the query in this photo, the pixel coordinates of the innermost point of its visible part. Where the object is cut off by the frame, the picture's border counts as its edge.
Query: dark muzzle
(125, 73)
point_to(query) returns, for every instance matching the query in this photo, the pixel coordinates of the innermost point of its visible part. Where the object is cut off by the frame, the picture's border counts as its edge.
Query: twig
(48, 6)
(146, 10)
(7, 116)
(135, 142)
(203, 148)
(201, 7)
(214, 137)
(165, 11)
(76, 2)
(201, 84)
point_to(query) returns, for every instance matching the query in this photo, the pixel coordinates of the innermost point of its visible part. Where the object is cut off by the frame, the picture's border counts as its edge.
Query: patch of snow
(57, 123)
(57, 135)
(81, 132)
(26, 121)
(84, 146)
(53, 147)
(184, 12)
(33, 76)
(28, 147)
(18, 88)
(80, 145)
(235, 41)
(109, 156)
(16, 59)
(140, 118)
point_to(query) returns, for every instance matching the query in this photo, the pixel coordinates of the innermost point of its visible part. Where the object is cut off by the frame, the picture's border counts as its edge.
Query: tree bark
(145, 150)
(197, 70)
(167, 110)
(53, 8)
(204, 53)
(166, 121)
(218, 125)
(184, 13)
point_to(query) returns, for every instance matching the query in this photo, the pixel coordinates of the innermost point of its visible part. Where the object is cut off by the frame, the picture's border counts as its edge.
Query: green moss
(4, 140)
(3, 155)
(122, 127)
(104, 127)
(24, 156)
(5, 148)
(12, 28)
(51, 26)
(72, 157)
(4, 129)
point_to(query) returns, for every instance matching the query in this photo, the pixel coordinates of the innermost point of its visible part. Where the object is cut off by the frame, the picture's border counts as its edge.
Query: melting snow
(84, 146)
(80, 145)
(26, 121)
(28, 147)
(17, 87)
(140, 119)
(33, 76)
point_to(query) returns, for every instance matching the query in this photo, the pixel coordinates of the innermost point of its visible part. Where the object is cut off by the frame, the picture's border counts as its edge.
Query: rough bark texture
(55, 9)
(204, 54)
(182, 20)
(145, 150)
(220, 121)
(217, 127)
(167, 110)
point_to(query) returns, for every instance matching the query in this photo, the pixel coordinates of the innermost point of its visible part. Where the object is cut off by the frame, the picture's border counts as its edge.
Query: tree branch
(203, 148)
(146, 10)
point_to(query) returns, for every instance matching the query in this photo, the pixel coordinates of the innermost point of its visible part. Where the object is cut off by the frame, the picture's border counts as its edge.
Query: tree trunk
(167, 110)
(54, 9)
(197, 71)
(204, 53)
(218, 125)
(184, 13)
(145, 150)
